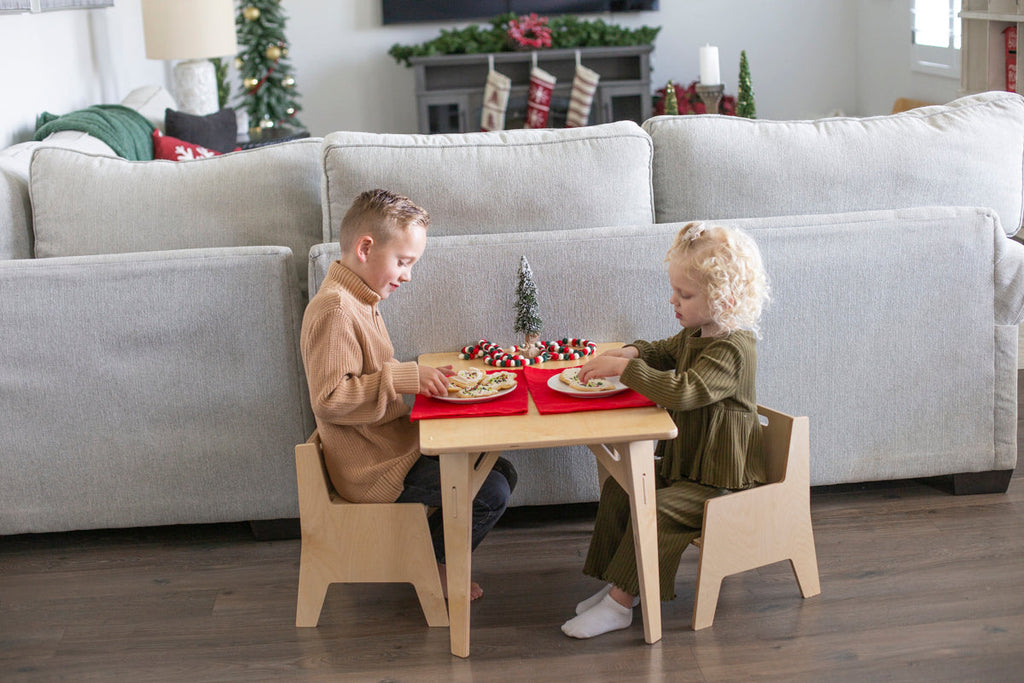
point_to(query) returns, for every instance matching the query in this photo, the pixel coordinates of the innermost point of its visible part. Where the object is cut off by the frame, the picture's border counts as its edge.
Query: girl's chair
(762, 525)
(345, 542)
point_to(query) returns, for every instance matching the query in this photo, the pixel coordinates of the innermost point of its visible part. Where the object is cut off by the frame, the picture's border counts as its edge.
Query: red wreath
(530, 31)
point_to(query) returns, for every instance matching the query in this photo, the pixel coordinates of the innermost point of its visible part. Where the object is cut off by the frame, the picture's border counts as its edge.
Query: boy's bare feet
(475, 591)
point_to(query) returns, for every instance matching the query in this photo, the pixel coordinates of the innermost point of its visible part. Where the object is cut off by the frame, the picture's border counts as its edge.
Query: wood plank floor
(917, 585)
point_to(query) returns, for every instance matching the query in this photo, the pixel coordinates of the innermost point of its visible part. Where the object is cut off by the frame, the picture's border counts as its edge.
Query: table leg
(457, 511)
(632, 466)
(638, 465)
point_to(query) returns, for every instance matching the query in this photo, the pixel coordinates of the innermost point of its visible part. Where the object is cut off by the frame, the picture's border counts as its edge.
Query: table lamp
(194, 31)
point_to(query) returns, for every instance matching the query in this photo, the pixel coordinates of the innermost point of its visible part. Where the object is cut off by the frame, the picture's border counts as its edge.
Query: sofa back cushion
(966, 153)
(15, 206)
(498, 182)
(90, 204)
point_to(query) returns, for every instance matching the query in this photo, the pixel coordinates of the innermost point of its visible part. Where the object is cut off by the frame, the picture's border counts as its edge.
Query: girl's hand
(434, 381)
(626, 352)
(605, 365)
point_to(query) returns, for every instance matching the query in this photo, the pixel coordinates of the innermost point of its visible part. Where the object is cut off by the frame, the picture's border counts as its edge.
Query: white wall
(807, 58)
(883, 60)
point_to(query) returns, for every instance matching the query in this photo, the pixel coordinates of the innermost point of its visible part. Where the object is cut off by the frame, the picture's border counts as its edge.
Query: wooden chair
(762, 525)
(345, 542)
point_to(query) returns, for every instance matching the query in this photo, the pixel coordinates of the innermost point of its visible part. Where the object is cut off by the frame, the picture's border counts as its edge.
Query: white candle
(709, 74)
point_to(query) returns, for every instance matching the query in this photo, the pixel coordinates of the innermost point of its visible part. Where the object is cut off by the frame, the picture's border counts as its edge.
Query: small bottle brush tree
(528, 320)
(268, 88)
(745, 99)
(671, 101)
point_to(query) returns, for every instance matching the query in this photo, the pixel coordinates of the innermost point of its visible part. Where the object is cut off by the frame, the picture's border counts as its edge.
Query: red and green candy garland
(567, 348)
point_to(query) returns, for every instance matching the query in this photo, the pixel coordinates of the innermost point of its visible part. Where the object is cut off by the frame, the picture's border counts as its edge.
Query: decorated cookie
(570, 377)
(466, 379)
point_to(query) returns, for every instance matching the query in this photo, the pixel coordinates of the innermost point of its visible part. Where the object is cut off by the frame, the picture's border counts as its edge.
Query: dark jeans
(423, 485)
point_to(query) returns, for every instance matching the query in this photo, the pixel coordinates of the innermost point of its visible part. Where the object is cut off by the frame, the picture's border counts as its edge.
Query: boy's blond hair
(727, 264)
(382, 215)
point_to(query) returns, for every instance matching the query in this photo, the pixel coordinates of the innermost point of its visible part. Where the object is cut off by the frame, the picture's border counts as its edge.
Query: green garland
(566, 32)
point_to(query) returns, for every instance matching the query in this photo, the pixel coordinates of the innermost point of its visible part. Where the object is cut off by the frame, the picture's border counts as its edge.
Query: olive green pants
(612, 557)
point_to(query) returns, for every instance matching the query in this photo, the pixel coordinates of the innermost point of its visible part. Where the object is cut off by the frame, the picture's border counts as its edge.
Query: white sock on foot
(593, 599)
(596, 598)
(607, 615)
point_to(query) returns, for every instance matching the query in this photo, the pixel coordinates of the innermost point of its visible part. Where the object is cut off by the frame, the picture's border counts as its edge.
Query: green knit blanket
(125, 130)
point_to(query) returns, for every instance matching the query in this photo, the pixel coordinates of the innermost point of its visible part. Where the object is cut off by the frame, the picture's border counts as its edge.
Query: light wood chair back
(344, 542)
(763, 525)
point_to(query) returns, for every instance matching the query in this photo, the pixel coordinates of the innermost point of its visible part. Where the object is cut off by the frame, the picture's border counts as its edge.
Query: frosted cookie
(499, 380)
(570, 377)
(466, 379)
(476, 392)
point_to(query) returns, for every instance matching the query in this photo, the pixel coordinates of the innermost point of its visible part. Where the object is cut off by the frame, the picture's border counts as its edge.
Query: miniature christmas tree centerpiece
(528, 320)
(745, 100)
(671, 101)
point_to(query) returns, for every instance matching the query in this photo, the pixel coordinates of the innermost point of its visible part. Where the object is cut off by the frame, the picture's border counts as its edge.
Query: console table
(450, 88)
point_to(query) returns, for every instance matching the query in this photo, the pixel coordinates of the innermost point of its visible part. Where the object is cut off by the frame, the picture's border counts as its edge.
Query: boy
(371, 449)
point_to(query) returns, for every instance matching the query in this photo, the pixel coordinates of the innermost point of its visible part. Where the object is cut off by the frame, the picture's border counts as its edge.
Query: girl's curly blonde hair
(727, 263)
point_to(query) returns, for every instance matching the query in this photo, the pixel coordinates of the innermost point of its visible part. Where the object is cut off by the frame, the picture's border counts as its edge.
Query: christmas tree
(527, 314)
(671, 101)
(745, 99)
(268, 88)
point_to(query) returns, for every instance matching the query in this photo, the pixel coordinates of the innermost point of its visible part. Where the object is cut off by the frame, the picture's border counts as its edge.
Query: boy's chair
(345, 542)
(762, 525)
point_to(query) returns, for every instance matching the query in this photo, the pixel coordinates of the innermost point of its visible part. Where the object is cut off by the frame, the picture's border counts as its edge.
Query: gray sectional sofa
(149, 371)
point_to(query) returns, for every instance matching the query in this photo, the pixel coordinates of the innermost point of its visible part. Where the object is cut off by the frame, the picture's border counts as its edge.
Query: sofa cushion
(967, 153)
(216, 131)
(152, 101)
(498, 182)
(90, 204)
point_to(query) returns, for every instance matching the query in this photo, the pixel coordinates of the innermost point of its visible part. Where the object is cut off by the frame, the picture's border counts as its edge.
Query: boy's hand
(626, 352)
(605, 365)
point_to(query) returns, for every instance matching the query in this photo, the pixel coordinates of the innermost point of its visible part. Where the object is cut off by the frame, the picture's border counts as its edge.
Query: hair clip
(694, 231)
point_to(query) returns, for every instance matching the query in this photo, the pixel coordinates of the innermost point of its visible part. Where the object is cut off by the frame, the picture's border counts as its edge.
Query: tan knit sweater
(355, 386)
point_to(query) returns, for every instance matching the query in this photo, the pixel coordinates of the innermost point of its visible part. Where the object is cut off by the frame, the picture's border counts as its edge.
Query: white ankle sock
(607, 615)
(593, 599)
(596, 598)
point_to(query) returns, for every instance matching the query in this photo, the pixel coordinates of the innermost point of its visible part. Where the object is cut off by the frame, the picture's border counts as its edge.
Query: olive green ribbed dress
(708, 386)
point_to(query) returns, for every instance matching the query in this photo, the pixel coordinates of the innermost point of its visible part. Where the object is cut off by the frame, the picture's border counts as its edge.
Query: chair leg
(432, 603)
(805, 566)
(312, 591)
(705, 599)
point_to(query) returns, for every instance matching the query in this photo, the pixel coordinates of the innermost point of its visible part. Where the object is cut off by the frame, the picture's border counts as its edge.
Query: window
(935, 37)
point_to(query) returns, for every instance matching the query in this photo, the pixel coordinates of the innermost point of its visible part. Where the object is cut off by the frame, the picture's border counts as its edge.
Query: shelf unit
(450, 88)
(982, 49)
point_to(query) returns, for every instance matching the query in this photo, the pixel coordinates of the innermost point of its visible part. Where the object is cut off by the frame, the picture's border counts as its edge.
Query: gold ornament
(250, 83)
(288, 81)
(239, 63)
(273, 53)
(266, 123)
(251, 13)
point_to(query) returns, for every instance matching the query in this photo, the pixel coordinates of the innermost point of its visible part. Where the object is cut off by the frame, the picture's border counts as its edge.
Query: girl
(704, 376)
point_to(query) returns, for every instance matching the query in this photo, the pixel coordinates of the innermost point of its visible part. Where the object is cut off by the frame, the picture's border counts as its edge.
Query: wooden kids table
(621, 439)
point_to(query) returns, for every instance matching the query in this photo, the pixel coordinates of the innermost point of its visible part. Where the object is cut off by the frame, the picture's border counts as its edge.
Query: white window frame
(937, 61)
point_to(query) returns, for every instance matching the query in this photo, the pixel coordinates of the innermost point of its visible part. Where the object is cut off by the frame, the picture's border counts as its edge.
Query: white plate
(558, 385)
(475, 399)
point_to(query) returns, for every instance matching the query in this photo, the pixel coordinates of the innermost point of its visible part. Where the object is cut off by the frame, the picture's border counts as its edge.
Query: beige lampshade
(189, 29)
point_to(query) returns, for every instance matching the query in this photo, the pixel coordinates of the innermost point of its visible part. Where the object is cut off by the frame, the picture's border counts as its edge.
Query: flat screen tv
(408, 11)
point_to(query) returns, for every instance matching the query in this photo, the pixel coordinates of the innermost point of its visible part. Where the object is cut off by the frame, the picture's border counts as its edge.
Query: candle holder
(711, 95)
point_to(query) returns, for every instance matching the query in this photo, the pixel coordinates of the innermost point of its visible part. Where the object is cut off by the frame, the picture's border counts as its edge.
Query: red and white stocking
(584, 84)
(496, 92)
(539, 103)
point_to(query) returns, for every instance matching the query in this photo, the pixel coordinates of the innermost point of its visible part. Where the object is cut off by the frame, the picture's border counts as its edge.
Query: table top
(533, 430)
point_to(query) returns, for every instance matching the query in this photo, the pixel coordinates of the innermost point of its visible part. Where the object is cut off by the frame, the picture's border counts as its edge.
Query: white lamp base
(195, 87)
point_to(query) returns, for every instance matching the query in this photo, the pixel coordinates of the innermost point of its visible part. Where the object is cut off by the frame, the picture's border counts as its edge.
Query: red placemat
(549, 401)
(512, 403)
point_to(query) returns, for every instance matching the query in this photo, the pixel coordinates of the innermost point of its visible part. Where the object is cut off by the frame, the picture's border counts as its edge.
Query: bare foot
(475, 591)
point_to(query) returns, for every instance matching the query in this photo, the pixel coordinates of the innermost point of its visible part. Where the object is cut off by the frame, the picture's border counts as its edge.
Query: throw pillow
(166, 147)
(216, 131)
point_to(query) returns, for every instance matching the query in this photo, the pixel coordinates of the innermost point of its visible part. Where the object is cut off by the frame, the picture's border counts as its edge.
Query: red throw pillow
(166, 147)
